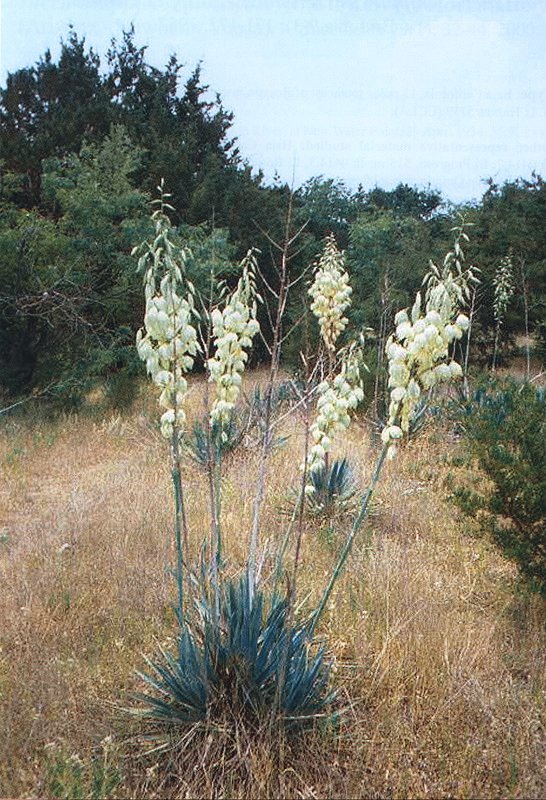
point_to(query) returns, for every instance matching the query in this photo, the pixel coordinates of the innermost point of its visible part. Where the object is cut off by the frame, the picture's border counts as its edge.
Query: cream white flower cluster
(233, 329)
(417, 354)
(336, 399)
(331, 293)
(168, 346)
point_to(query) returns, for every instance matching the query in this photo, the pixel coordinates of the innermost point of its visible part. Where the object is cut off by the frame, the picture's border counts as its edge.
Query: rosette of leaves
(225, 437)
(243, 663)
(334, 489)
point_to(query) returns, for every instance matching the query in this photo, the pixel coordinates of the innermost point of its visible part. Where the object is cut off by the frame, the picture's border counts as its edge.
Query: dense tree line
(81, 152)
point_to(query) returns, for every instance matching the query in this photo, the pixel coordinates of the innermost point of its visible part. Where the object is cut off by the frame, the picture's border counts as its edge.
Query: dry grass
(439, 658)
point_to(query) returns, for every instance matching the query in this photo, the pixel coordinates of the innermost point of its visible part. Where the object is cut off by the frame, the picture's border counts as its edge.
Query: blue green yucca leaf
(180, 684)
(238, 661)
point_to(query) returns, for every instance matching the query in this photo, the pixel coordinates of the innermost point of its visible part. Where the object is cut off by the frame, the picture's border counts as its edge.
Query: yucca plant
(242, 650)
(334, 489)
(238, 646)
(235, 664)
(225, 437)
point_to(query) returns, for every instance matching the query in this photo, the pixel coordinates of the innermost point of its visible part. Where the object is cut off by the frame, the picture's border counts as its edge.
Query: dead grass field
(440, 658)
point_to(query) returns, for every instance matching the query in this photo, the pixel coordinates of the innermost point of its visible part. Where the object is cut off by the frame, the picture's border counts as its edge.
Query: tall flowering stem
(168, 345)
(418, 355)
(338, 394)
(233, 329)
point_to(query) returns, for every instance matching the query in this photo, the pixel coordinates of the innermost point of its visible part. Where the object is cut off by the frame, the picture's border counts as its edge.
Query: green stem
(179, 527)
(217, 551)
(357, 524)
(300, 508)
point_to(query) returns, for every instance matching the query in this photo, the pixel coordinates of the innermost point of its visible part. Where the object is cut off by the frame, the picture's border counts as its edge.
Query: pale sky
(439, 92)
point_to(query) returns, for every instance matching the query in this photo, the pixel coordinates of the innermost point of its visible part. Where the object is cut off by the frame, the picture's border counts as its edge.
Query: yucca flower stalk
(233, 329)
(418, 349)
(418, 353)
(338, 394)
(168, 344)
(503, 286)
(331, 293)
(337, 398)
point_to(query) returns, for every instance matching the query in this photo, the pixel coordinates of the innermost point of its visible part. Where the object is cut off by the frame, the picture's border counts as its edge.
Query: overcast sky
(439, 92)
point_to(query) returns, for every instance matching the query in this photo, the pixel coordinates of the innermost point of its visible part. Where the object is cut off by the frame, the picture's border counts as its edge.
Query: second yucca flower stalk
(168, 344)
(233, 329)
(340, 394)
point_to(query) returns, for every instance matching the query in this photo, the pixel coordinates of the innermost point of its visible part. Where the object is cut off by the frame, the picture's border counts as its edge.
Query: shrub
(121, 389)
(503, 436)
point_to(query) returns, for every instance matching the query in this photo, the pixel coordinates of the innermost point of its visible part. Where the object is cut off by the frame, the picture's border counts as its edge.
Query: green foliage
(48, 109)
(510, 219)
(328, 206)
(69, 293)
(71, 778)
(334, 489)
(238, 663)
(385, 259)
(121, 389)
(83, 143)
(211, 257)
(405, 201)
(503, 429)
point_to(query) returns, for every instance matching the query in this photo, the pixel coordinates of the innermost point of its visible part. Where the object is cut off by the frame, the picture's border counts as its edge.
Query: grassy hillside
(438, 655)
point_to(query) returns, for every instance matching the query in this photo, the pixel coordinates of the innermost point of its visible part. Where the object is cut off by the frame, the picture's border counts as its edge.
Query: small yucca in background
(225, 437)
(334, 489)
